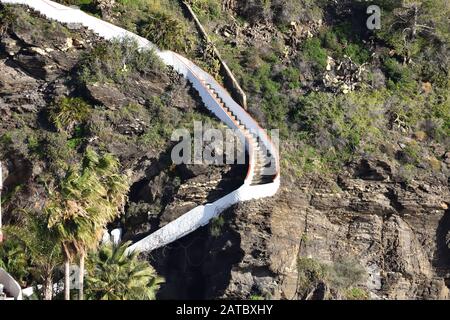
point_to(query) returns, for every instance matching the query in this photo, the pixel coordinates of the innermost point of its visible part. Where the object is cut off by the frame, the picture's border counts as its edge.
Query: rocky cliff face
(398, 233)
(39, 66)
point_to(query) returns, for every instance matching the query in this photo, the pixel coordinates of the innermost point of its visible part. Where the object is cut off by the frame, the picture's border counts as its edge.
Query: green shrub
(310, 274)
(7, 17)
(15, 260)
(342, 276)
(209, 9)
(77, 138)
(336, 125)
(356, 294)
(341, 40)
(129, 113)
(68, 112)
(216, 226)
(291, 76)
(399, 76)
(166, 31)
(57, 152)
(117, 60)
(346, 273)
(357, 53)
(76, 2)
(161, 125)
(6, 198)
(411, 154)
(315, 53)
(274, 104)
(437, 124)
(23, 141)
(5, 140)
(302, 159)
(331, 41)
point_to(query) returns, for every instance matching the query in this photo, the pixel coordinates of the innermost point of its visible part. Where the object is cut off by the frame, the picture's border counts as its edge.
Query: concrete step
(263, 180)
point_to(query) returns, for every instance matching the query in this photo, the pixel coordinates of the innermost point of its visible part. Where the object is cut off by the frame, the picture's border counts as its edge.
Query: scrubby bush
(216, 226)
(57, 153)
(263, 80)
(281, 12)
(166, 31)
(346, 273)
(310, 274)
(356, 294)
(410, 154)
(15, 260)
(341, 277)
(409, 33)
(315, 53)
(337, 125)
(66, 113)
(399, 76)
(117, 60)
(7, 17)
(291, 77)
(257, 297)
(209, 9)
(342, 40)
(75, 2)
(357, 53)
(18, 142)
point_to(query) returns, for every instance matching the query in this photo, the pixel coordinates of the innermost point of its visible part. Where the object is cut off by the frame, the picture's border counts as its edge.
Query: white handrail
(200, 215)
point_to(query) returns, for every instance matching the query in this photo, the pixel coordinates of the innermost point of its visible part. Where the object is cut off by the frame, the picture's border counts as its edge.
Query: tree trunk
(81, 277)
(66, 279)
(48, 288)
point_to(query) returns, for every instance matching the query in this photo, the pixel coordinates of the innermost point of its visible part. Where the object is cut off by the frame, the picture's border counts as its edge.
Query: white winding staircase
(263, 176)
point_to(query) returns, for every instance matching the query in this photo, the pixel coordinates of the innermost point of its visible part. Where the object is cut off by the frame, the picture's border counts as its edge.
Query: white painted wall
(11, 285)
(200, 215)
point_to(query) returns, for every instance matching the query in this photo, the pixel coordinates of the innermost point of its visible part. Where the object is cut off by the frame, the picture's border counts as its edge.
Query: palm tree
(115, 275)
(88, 199)
(37, 242)
(72, 225)
(107, 203)
(14, 259)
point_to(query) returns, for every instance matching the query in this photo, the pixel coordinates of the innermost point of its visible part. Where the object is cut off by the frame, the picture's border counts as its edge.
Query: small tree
(114, 275)
(87, 199)
(37, 244)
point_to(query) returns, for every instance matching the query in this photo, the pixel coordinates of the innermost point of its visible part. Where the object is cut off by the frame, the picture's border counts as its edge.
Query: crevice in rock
(393, 200)
(441, 259)
(199, 265)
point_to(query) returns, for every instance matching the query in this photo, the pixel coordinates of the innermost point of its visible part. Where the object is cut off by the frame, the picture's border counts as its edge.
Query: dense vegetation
(404, 78)
(397, 62)
(83, 184)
